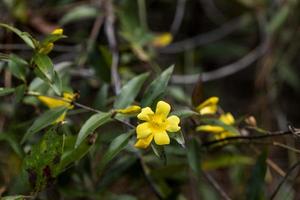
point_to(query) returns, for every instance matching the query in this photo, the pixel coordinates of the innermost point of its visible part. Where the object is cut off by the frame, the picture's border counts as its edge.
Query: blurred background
(243, 51)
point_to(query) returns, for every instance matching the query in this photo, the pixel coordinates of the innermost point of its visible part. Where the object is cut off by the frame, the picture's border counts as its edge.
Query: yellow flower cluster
(65, 101)
(210, 106)
(47, 48)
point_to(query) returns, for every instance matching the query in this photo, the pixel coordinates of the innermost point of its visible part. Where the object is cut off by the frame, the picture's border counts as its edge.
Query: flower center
(158, 122)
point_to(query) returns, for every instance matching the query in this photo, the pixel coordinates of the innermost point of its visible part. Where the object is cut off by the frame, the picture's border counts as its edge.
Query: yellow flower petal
(61, 118)
(58, 31)
(144, 143)
(144, 115)
(46, 48)
(129, 110)
(210, 102)
(143, 130)
(224, 135)
(69, 96)
(161, 138)
(227, 119)
(162, 40)
(173, 122)
(210, 128)
(163, 109)
(52, 102)
(209, 110)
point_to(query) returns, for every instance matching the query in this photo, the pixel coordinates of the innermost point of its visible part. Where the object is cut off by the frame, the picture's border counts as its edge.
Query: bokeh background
(246, 52)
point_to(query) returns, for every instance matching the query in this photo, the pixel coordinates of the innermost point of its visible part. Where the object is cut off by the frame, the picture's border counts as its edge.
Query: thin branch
(143, 13)
(111, 36)
(205, 38)
(211, 11)
(255, 137)
(290, 170)
(179, 14)
(215, 184)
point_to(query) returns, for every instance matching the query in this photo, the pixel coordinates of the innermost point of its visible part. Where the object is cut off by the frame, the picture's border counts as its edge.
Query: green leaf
(26, 37)
(193, 155)
(184, 113)
(157, 87)
(46, 119)
(178, 136)
(42, 163)
(91, 125)
(16, 197)
(45, 66)
(6, 91)
(226, 160)
(79, 13)
(20, 91)
(74, 154)
(17, 66)
(115, 147)
(130, 91)
(255, 189)
(11, 141)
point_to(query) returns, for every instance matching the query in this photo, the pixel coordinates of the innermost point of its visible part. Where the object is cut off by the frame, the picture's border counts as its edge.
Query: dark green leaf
(115, 147)
(6, 91)
(17, 66)
(184, 113)
(91, 125)
(179, 138)
(42, 163)
(11, 141)
(255, 190)
(157, 87)
(46, 119)
(79, 13)
(23, 35)
(20, 91)
(130, 91)
(45, 66)
(193, 155)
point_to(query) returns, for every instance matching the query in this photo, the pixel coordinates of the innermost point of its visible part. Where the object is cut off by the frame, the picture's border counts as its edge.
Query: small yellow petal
(210, 102)
(144, 143)
(209, 110)
(163, 109)
(58, 31)
(45, 49)
(224, 135)
(210, 128)
(162, 40)
(173, 122)
(129, 110)
(53, 102)
(143, 130)
(144, 115)
(69, 96)
(161, 138)
(61, 118)
(227, 119)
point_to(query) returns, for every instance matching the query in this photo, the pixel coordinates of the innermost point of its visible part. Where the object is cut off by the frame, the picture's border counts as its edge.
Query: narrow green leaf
(193, 155)
(16, 197)
(79, 13)
(178, 137)
(6, 91)
(157, 87)
(20, 91)
(17, 66)
(46, 119)
(45, 66)
(116, 146)
(74, 154)
(26, 37)
(130, 91)
(184, 113)
(91, 125)
(255, 189)
(12, 142)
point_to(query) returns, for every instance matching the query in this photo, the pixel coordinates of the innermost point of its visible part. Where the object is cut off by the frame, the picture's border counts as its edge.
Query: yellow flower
(47, 48)
(130, 110)
(156, 126)
(66, 101)
(58, 31)
(227, 119)
(209, 106)
(162, 40)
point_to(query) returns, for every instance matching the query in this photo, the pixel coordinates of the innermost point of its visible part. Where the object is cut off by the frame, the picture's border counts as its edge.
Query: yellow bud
(129, 110)
(58, 31)
(209, 106)
(162, 40)
(46, 48)
(210, 128)
(251, 121)
(227, 119)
